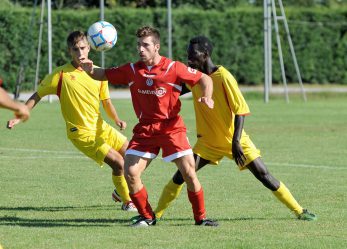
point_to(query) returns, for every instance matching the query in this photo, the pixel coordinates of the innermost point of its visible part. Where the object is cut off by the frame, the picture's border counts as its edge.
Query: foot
(144, 222)
(129, 206)
(116, 196)
(306, 215)
(137, 217)
(207, 222)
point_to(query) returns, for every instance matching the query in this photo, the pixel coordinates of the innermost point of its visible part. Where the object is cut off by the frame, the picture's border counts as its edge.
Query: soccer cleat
(144, 222)
(207, 222)
(129, 206)
(137, 217)
(306, 215)
(116, 196)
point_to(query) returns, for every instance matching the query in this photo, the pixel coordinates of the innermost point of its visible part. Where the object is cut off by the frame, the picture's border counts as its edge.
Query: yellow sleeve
(235, 98)
(104, 91)
(49, 84)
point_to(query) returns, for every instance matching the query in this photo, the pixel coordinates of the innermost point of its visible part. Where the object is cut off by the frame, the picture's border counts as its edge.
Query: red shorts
(168, 135)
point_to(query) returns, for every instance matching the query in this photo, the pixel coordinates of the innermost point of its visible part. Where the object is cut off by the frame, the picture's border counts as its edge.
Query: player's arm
(30, 104)
(112, 113)
(206, 85)
(236, 147)
(94, 72)
(21, 111)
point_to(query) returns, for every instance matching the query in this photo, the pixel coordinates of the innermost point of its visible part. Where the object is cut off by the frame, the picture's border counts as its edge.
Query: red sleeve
(187, 74)
(119, 75)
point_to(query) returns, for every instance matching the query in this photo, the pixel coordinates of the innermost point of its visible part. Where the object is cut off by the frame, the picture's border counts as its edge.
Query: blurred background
(318, 30)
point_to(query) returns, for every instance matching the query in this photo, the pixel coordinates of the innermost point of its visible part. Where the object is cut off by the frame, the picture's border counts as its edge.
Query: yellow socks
(122, 187)
(170, 193)
(283, 194)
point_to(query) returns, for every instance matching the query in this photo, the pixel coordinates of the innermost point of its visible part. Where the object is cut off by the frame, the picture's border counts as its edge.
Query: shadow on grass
(58, 209)
(78, 222)
(25, 222)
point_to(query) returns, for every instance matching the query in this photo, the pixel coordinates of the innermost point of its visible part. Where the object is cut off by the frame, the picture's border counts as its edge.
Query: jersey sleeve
(119, 75)
(104, 91)
(186, 74)
(49, 84)
(235, 98)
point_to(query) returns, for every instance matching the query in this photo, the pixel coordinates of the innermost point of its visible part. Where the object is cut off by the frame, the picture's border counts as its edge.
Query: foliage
(201, 4)
(319, 37)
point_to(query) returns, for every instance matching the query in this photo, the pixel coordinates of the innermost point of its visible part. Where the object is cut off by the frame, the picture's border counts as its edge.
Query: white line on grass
(308, 166)
(302, 165)
(43, 157)
(83, 157)
(42, 151)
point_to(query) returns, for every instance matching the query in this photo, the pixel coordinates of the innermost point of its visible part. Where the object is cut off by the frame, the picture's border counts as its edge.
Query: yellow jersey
(216, 126)
(79, 96)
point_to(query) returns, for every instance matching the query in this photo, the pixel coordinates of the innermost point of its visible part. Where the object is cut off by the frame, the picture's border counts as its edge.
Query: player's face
(80, 51)
(147, 49)
(196, 58)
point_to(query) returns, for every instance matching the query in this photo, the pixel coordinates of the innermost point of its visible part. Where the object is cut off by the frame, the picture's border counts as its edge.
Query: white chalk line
(81, 156)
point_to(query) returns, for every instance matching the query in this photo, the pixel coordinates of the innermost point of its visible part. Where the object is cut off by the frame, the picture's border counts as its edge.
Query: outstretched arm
(30, 104)
(94, 72)
(21, 111)
(236, 148)
(206, 85)
(112, 113)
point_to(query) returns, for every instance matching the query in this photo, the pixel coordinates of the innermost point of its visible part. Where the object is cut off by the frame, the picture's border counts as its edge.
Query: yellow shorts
(215, 152)
(96, 146)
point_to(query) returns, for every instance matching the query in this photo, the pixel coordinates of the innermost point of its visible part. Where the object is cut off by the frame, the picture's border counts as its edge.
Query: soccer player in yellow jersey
(80, 98)
(220, 132)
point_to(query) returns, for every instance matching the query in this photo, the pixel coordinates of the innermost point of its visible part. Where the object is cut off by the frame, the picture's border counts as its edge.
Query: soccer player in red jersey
(155, 86)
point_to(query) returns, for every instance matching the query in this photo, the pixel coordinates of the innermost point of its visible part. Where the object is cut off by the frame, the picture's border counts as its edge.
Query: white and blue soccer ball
(102, 36)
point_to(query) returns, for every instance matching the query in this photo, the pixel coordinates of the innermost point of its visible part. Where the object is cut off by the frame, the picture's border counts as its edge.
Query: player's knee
(178, 178)
(269, 181)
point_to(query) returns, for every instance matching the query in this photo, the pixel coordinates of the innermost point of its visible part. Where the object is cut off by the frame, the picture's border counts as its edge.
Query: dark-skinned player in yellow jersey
(220, 132)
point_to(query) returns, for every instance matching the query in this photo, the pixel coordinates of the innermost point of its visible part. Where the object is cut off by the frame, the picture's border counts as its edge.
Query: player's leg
(115, 159)
(174, 187)
(260, 171)
(186, 166)
(134, 166)
(112, 147)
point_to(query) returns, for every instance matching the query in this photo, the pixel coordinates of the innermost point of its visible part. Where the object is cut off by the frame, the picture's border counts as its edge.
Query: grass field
(51, 196)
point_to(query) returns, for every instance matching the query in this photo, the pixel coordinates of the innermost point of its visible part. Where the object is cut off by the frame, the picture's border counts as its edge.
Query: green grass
(57, 198)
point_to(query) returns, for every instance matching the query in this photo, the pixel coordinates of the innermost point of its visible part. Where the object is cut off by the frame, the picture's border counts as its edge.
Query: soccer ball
(102, 36)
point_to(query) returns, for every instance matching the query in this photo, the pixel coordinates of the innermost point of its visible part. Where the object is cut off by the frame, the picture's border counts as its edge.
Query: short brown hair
(149, 31)
(74, 37)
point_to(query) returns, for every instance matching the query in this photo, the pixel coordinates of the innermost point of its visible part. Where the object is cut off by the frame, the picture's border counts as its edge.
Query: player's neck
(154, 61)
(76, 65)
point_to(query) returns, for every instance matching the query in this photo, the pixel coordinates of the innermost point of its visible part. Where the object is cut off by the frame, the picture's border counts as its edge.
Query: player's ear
(157, 46)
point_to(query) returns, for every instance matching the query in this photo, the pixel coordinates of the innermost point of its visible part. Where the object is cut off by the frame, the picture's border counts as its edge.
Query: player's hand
(208, 101)
(87, 65)
(239, 156)
(11, 123)
(121, 124)
(22, 112)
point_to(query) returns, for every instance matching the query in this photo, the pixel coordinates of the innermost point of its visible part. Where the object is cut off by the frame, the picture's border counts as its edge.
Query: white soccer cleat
(129, 207)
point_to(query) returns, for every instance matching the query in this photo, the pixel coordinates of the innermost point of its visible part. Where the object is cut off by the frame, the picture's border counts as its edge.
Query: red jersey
(154, 90)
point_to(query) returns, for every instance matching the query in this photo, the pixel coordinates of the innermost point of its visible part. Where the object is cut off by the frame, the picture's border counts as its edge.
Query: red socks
(140, 199)
(198, 204)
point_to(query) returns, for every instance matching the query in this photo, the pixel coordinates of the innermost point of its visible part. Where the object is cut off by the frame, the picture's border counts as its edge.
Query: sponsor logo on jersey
(159, 92)
(149, 82)
(192, 70)
(72, 77)
(149, 75)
